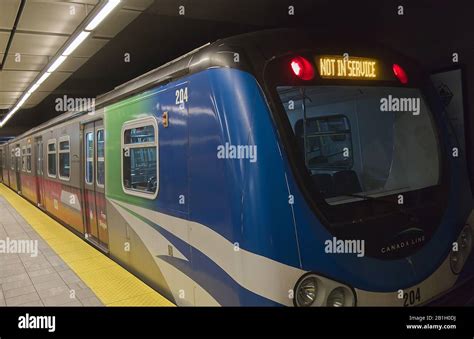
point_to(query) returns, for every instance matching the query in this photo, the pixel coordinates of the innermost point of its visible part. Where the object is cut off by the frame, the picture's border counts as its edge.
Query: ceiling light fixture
(104, 12)
(57, 63)
(71, 47)
(77, 41)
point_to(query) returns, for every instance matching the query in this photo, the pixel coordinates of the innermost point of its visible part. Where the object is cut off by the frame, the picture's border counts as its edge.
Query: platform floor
(66, 271)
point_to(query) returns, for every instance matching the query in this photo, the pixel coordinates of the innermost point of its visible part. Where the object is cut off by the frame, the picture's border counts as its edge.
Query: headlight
(337, 297)
(457, 258)
(306, 291)
(466, 240)
(315, 290)
(457, 261)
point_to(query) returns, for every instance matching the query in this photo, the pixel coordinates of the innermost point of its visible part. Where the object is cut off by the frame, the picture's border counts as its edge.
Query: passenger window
(23, 158)
(52, 158)
(139, 158)
(39, 158)
(328, 142)
(28, 158)
(100, 174)
(64, 158)
(12, 160)
(89, 157)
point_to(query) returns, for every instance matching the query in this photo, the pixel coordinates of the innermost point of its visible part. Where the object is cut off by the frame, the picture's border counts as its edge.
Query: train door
(1, 165)
(39, 171)
(6, 173)
(12, 170)
(94, 184)
(6, 165)
(18, 167)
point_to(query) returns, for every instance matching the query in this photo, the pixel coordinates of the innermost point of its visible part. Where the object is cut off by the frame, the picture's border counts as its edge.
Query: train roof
(206, 56)
(255, 48)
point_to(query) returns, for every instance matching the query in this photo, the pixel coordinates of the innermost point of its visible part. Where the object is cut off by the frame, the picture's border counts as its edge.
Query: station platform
(66, 271)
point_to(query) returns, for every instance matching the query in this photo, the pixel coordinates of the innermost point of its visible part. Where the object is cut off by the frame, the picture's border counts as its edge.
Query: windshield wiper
(362, 196)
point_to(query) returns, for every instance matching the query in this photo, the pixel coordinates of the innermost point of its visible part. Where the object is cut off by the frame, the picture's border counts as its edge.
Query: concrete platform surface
(44, 264)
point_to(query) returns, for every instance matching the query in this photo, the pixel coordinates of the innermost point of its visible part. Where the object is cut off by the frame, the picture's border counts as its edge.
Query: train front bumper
(442, 282)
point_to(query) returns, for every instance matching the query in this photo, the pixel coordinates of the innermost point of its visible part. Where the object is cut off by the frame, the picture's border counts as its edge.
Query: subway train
(265, 169)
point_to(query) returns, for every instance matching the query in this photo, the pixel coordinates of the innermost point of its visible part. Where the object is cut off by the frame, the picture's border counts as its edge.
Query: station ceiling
(153, 32)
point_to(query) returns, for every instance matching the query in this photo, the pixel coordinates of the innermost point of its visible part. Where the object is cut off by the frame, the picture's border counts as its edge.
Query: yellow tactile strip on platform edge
(112, 284)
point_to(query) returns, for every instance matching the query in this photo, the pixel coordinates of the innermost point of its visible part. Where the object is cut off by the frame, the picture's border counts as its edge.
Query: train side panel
(135, 239)
(60, 180)
(195, 261)
(27, 174)
(14, 153)
(5, 165)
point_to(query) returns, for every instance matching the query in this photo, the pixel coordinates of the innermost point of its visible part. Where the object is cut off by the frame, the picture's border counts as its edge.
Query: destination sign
(341, 67)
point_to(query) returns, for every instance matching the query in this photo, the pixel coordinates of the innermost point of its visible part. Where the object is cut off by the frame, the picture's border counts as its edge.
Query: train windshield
(362, 142)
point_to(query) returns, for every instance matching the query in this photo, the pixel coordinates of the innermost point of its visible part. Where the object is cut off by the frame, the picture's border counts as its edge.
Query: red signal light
(400, 73)
(302, 68)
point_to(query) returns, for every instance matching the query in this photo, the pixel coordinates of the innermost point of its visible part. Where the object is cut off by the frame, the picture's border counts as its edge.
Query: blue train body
(234, 173)
(247, 204)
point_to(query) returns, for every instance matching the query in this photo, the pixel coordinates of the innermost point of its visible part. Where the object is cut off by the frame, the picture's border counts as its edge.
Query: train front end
(381, 196)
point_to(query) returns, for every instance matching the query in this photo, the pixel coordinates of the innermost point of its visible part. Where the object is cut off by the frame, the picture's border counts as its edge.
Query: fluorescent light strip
(43, 78)
(8, 116)
(23, 99)
(77, 41)
(57, 63)
(33, 88)
(39, 82)
(102, 14)
(13, 111)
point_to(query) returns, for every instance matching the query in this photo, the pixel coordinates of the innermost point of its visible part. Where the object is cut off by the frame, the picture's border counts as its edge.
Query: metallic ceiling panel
(9, 98)
(36, 44)
(51, 17)
(54, 80)
(115, 23)
(26, 63)
(8, 11)
(44, 27)
(4, 36)
(36, 98)
(16, 80)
